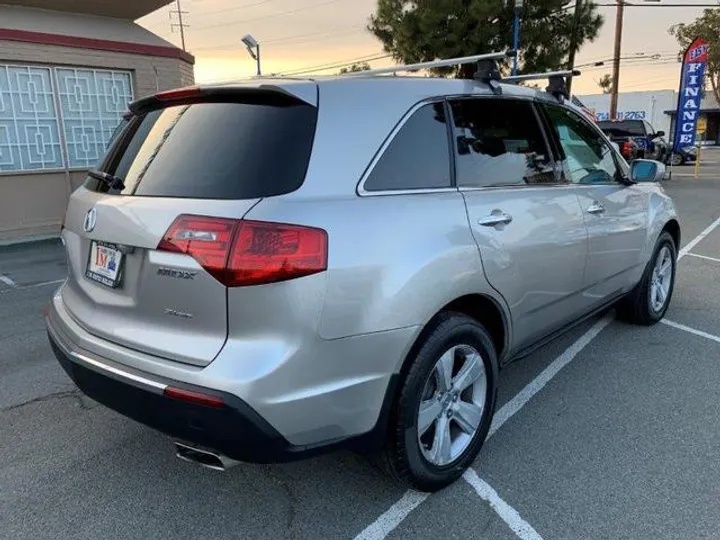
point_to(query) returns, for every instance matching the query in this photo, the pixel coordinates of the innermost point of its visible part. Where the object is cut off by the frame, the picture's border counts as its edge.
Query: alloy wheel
(661, 279)
(452, 405)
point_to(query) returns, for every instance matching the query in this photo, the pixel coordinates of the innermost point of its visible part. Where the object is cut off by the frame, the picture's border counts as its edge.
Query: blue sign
(691, 86)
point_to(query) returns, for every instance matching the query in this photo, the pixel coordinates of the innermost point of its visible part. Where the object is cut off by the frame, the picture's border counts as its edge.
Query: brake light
(240, 253)
(191, 92)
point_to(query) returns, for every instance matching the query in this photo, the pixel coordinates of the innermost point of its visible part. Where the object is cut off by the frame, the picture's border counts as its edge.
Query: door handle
(494, 219)
(595, 208)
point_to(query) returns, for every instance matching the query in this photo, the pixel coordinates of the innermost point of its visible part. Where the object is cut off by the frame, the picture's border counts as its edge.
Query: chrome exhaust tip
(204, 458)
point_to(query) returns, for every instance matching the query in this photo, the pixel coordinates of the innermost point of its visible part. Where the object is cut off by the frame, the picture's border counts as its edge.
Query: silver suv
(272, 269)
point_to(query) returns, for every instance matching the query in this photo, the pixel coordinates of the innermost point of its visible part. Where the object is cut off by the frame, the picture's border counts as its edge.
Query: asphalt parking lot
(610, 432)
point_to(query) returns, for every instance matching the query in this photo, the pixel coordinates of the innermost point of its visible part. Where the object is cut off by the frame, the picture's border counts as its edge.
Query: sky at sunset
(295, 34)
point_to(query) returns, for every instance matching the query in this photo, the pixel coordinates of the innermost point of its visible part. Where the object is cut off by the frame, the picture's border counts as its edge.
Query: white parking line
(7, 281)
(506, 512)
(703, 257)
(33, 286)
(508, 410)
(694, 242)
(394, 515)
(691, 330)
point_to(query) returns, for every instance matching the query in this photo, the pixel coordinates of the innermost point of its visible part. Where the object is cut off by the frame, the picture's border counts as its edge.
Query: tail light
(240, 253)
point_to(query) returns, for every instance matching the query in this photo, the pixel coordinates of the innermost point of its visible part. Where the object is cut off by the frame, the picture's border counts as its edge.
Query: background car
(687, 154)
(646, 142)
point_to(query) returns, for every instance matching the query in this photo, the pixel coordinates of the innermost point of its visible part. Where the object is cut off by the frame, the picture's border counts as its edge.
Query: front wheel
(445, 405)
(649, 300)
(676, 160)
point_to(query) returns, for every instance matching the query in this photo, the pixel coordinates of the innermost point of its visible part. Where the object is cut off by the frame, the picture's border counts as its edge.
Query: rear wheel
(445, 405)
(676, 160)
(650, 298)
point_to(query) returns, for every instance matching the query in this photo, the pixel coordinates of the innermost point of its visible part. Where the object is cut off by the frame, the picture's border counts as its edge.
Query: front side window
(589, 158)
(499, 142)
(418, 157)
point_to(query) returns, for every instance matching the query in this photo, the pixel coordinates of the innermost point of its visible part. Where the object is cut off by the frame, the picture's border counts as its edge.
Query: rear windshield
(213, 151)
(626, 128)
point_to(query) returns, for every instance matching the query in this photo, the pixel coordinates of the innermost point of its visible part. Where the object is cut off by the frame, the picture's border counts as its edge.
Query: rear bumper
(234, 429)
(279, 404)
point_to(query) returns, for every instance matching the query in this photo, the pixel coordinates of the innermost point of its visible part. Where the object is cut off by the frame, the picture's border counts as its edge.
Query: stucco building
(68, 68)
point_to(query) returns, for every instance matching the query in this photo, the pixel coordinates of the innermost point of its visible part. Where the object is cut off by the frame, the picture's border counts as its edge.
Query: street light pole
(517, 11)
(616, 59)
(253, 48)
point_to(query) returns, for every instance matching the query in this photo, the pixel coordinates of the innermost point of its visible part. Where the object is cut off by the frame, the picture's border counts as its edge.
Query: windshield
(624, 128)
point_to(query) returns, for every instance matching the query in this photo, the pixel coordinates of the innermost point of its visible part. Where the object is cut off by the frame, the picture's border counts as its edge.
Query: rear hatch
(209, 155)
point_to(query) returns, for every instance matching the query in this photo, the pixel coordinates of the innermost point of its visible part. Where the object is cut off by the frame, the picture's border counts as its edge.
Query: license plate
(104, 264)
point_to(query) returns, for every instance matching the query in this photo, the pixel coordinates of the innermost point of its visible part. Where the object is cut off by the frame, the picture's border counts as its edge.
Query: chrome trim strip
(99, 366)
(122, 374)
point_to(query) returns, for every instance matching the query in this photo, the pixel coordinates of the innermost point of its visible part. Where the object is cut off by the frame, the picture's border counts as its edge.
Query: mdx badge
(90, 220)
(175, 273)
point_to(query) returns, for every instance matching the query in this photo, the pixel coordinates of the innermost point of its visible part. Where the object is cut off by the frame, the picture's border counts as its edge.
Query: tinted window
(418, 156)
(588, 156)
(215, 151)
(625, 128)
(499, 143)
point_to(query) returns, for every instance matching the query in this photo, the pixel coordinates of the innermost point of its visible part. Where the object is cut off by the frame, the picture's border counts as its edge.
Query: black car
(687, 154)
(650, 144)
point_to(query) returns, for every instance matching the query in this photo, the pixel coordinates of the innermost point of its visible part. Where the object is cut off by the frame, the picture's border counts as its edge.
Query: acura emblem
(90, 220)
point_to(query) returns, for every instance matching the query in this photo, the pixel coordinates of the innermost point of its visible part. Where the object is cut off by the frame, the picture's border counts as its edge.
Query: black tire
(676, 160)
(401, 456)
(637, 307)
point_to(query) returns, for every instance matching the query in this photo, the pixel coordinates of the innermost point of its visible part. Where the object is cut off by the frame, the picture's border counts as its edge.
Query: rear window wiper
(114, 182)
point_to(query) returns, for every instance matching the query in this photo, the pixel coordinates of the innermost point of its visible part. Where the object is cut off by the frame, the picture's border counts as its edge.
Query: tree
(605, 83)
(354, 68)
(707, 26)
(424, 30)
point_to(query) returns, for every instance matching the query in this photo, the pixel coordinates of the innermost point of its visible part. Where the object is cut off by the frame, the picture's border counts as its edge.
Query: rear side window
(214, 151)
(499, 142)
(418, 157)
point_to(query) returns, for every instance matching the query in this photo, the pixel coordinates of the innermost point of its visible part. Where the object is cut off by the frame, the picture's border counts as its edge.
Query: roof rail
(434, 64)
(540, 76)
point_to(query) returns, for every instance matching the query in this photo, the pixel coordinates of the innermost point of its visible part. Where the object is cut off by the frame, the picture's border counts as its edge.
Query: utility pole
(573, 43)
(616, 59)
(180, 24)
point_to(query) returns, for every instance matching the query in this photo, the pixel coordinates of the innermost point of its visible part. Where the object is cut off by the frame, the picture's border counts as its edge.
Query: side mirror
(647, 170)
(660, 134)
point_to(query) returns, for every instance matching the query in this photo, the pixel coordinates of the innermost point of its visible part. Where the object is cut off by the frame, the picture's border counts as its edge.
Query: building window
(92, 102)
(29, 133)
(38, 104)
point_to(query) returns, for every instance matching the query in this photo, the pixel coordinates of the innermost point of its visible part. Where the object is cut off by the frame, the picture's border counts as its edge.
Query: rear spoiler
(263, 94)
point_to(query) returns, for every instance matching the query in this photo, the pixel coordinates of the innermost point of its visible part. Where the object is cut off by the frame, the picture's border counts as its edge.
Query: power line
(288, 12)
(227, 10)
(293, 38)
(340, 64)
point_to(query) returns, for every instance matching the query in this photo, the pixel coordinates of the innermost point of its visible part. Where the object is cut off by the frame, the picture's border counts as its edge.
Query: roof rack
(434, 64)
(540, 76)
(557, 85)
